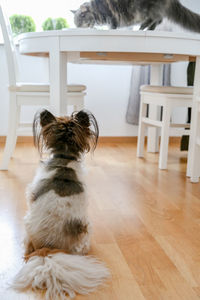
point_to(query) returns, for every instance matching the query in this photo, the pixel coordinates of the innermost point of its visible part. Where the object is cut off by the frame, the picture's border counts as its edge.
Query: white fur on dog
(60, 274)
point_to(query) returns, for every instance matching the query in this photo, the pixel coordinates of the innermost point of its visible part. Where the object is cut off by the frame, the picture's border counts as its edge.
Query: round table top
(113, 41)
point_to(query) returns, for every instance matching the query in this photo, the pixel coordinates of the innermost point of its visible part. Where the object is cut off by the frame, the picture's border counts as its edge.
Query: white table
(110, 46)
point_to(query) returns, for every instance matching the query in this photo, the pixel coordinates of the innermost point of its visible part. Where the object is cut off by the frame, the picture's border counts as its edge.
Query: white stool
(168, 98)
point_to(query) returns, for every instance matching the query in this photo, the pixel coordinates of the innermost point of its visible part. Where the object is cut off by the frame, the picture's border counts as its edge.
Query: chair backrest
(10, 48)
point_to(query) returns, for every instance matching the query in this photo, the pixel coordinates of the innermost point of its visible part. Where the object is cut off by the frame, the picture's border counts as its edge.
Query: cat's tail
(60, 274)
(183, 16)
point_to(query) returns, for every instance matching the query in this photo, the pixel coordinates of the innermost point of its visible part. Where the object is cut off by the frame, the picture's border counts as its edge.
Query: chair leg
(12, 132)
(77, 108)
(195, 170)
(141, 130)
(80, 106)
(18, 111)
(195, 162)
(164, 137)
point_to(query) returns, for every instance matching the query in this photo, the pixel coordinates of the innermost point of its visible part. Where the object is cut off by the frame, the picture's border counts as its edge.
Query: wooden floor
(146, 223)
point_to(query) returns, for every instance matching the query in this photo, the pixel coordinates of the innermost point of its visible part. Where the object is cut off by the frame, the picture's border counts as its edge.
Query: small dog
(57, 225)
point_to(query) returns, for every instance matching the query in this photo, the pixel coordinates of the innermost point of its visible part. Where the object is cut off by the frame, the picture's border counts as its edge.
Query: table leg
(154, 111)
(58, 81)
(193, 164)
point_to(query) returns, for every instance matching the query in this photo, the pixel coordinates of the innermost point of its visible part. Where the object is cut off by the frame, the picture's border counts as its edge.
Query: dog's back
(57, 217)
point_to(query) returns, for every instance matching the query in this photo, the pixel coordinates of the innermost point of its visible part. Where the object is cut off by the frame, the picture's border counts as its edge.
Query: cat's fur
(124, 13)
(57, 224)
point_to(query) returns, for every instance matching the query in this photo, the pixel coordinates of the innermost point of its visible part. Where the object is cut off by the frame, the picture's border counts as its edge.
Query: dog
(57, 226)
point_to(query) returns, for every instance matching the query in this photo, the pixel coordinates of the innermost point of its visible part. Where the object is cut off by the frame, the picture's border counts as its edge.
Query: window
(40, 10)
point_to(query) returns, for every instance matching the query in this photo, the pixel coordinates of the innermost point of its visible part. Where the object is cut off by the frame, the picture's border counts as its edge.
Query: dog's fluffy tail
(61, 274)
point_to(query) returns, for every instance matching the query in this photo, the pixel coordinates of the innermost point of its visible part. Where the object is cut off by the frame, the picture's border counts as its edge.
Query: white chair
(21, 94)
(168, 98)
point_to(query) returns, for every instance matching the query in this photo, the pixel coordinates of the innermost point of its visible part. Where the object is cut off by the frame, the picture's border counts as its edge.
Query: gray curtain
(141, 75)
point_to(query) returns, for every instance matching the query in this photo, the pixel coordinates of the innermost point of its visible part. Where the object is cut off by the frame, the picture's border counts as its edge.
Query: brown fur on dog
(64, 183)
(43, 252)
(75, 228)
(72, 135)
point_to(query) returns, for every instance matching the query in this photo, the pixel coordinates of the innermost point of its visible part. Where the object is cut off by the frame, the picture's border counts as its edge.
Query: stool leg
(12, 132)
(164, 137)
(154, 111)
(141, 130)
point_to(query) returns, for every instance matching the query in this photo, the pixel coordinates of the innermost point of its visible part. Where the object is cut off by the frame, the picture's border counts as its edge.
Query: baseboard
(102, 139)
(117, 139)
(131, 139)
(20, 139)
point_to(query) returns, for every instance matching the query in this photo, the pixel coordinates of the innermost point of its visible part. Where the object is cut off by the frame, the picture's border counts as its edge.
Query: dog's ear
(83, 118)
(73, 11)
(46, 118)
(90, 129)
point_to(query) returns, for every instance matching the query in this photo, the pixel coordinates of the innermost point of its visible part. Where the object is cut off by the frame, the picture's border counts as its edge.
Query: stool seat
(40, 87)
(166, 89)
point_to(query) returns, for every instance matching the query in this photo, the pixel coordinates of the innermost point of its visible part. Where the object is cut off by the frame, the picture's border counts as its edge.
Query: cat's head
(84, 17)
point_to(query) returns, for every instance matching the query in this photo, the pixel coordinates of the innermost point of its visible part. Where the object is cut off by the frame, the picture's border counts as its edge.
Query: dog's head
(73, 135)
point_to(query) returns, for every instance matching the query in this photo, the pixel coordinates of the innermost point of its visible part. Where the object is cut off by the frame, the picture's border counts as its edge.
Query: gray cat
(124, 13)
